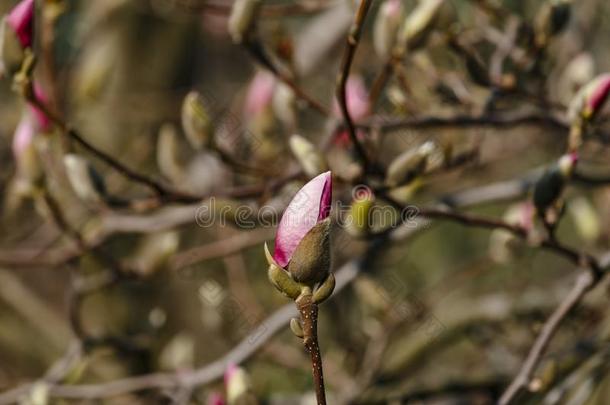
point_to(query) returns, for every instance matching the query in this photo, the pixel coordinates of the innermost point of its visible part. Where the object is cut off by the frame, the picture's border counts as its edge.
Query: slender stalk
(583, 284)
(309, 320)
(353, 39)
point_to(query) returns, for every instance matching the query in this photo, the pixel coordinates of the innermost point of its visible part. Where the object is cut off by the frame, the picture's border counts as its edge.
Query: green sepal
(296, 328)
(283, 282)
(325, 289)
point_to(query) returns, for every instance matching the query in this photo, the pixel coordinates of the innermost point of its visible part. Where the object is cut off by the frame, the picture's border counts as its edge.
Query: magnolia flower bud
(310, 159)
(179, 353)
(29, 169)
(359, 221)
(242, 19)
(552, 18)
(599, 90)
(21, 20)
(301, 259)
(196, 122)
(585, 106)
(154, 251)
(386, 26)
(357, 99)
(504, 245)
(410, 164)
(417, 26)
(168, 159)
(284, 105)
(579, 72)
(549, 187)
(16, 34)
(585, 218)
(86, 183)
(259, 96)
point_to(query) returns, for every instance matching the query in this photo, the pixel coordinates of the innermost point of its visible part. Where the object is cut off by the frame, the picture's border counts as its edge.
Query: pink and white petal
(42, 121)
(23, 135)
(600, 93)
(310, 205)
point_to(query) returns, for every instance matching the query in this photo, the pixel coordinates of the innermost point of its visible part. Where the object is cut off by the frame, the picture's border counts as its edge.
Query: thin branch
(353, 39)
(584, 282)
(258, 52)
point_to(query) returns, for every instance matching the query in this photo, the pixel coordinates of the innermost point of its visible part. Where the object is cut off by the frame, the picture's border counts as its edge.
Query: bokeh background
(444, 315)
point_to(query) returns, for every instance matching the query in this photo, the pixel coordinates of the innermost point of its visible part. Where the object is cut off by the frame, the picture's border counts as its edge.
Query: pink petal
(309, 206)
(260, 93)
(392, 8)
(23, 136)
(600, 93)
(357, 98)
(43, 122)
(21, 19)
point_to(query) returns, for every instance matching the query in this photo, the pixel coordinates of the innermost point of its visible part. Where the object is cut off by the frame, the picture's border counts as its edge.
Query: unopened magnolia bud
(154, 251)
(405, 194)
(579, 72)
(552, 18)
(359, 221)
(242, 19)
(417, 26)
(196, 122)
(179, 353)
(310, 262)
(585, 106)
(585, 218)
(85, 182)
(168, 159)
(549, 187)
(409, 164)
(309, 157)
(386, 27)
(284, 105)
(21, 20)
(504, 245)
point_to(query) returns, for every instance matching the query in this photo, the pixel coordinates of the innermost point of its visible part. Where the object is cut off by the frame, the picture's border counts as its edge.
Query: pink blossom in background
(42, 121)
(600, 93)
(260, 93)
(23, 135)
(392, 8)
(21, 20)
(357, 98)
(308, 207)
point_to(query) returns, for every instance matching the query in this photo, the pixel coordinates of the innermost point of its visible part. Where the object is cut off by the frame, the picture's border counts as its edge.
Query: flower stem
(309, 319)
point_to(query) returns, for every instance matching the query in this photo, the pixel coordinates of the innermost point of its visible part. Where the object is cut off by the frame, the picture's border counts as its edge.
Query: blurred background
(95, 290)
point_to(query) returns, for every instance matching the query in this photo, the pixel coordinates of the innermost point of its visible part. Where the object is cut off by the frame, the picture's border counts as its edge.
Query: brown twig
(353, 39)
(258, 52)
(584, 282)
(309, 318)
